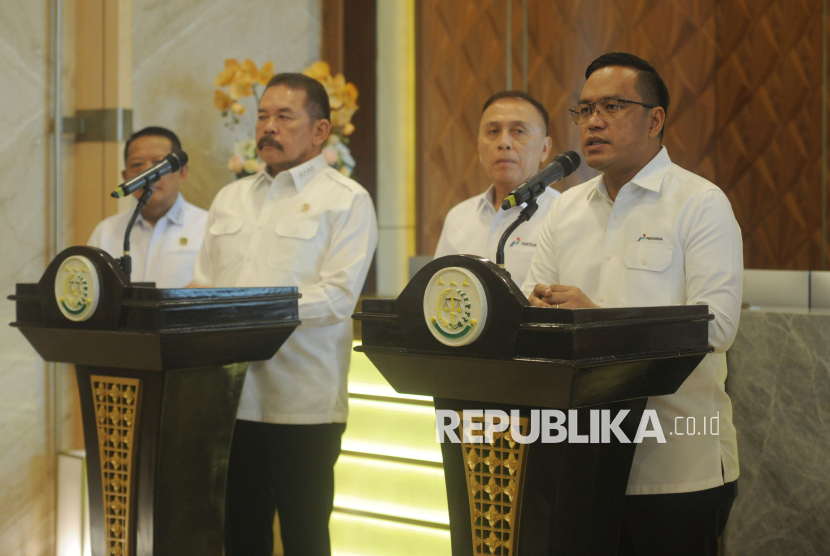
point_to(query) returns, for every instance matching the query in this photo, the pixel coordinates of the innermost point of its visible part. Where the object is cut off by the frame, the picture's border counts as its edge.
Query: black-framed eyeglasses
(607, 109)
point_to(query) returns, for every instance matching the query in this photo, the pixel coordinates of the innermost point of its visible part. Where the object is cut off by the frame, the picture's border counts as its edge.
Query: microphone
(561, 167)
(173, 162)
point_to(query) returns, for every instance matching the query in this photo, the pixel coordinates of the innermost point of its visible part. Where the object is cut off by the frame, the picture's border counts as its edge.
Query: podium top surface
(84, 311)
(462, 329)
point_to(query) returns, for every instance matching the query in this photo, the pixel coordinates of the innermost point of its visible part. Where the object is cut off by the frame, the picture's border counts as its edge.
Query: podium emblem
(455, 306)
(77, 291)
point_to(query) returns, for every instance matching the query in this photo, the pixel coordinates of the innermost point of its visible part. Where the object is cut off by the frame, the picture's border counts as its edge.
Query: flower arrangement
(243, 81)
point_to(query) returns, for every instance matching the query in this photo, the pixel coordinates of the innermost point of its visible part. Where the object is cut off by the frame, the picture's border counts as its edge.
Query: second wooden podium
(160, 372)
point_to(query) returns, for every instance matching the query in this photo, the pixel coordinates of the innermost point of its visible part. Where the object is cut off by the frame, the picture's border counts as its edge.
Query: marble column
(779, 382)
(26, 434)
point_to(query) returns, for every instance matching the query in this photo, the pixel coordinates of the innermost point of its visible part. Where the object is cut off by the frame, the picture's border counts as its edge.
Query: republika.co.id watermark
(553, 426)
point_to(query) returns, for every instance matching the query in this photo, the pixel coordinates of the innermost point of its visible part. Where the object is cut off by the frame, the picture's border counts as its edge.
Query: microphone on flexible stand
(561, 167)
(171, 163)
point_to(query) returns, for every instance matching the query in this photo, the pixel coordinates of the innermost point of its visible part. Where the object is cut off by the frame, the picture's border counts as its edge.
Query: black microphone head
(569, 161)
(177, 160)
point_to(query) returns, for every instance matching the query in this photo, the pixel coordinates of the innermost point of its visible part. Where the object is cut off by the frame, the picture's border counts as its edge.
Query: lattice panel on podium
(494, 471)
(116, 410)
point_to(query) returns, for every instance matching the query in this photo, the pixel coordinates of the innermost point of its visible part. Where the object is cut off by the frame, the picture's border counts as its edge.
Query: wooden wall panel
(745, 78)
(678, 37)
(769, 99)
(460, 63)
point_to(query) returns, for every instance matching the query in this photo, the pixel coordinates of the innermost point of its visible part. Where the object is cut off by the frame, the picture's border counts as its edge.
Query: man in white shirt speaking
(645, 233)
(168, 233)
(512, 144)
(297, 222)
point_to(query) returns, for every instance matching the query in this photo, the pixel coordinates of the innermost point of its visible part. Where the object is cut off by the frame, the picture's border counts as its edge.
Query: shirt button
(602, 298)
(644, 261)
(607, 257)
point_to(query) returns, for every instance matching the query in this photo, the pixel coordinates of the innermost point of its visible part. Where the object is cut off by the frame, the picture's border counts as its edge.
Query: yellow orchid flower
(338, 82)
(240, 89)
(348, 129)
(237, 109)
(266, 72)
(221, 100)
(248, 67)
(225, 77)
(349, 93)
(318, 70)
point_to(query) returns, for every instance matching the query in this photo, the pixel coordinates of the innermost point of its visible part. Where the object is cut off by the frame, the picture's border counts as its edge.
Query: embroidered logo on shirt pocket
(293, 246)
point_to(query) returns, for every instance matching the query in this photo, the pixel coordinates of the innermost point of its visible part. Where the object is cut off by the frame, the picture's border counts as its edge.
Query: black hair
(521, 95)
(154, 131)
(317, 100)
(649, 84)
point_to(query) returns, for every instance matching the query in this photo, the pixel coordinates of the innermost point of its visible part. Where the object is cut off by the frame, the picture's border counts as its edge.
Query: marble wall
(26, 439)
(179, 47)
(779, 382)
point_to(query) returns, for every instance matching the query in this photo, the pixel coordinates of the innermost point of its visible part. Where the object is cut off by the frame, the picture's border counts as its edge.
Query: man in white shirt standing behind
(297, 222)
(512, 143)
(168, 233)
(646, 233)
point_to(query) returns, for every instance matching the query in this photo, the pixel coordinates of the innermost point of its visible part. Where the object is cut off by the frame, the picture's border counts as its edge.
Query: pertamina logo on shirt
(649, 238)
(518, 241)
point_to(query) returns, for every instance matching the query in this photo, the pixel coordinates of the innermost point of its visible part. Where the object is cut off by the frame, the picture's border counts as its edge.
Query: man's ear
(547, 144)
(657, 119)
(183, 172)
(124, 175)
(322, 128)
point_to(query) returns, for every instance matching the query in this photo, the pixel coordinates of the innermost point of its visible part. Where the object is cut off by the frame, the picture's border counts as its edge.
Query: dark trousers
(684, 524)
(284, 468)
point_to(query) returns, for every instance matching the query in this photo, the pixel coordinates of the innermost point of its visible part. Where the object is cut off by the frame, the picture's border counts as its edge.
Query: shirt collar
(486, 199)
(300, 174)
(174, 214)
(649, 177)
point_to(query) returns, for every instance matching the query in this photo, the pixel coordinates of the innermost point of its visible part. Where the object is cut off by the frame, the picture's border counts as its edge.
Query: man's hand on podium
(560, 297)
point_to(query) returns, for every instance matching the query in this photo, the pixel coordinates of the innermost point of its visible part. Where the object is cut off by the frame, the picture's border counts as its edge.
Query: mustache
(269, 141)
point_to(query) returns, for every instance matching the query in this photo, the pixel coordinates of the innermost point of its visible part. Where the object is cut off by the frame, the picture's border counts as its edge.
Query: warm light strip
(395, 407)
(390, 525)
(382, 390)
(398, 510)
(394, 510)
(390, 451)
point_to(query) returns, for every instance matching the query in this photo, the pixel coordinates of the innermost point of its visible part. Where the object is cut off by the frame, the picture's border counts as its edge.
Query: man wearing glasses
(646, 233)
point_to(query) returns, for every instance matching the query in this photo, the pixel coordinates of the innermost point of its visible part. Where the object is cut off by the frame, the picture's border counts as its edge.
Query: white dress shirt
(309, 227)
(164, 253)
(669, 238)
(474, 227)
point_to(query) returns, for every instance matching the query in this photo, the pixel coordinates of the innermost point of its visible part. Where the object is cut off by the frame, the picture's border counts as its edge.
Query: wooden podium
(160, 372)
(462, 332)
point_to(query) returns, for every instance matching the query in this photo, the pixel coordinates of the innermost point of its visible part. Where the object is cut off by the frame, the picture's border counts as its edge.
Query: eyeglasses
(607, 109)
